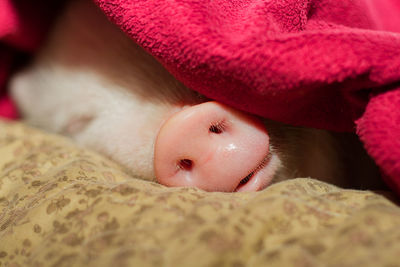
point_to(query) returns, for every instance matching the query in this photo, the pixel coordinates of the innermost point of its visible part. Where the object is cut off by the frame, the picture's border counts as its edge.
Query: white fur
(81, 85)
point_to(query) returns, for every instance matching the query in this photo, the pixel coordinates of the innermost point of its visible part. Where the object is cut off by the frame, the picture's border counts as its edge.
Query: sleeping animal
(92, 83)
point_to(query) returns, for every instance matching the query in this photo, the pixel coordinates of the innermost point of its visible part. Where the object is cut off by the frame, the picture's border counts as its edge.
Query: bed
(62, 205)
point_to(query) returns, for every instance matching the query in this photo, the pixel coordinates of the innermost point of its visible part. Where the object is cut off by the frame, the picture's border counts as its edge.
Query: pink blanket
(319, 63)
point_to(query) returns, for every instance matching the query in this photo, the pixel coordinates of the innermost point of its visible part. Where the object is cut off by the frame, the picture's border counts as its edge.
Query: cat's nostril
(185, 164)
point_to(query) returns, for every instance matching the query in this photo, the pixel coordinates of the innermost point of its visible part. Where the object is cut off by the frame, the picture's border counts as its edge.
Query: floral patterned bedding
(61, 205)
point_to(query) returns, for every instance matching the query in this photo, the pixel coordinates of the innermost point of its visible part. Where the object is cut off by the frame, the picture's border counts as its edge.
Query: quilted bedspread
(330, 64)
(61, 205)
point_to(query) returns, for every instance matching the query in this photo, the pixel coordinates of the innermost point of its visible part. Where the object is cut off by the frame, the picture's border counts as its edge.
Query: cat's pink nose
(213, 147)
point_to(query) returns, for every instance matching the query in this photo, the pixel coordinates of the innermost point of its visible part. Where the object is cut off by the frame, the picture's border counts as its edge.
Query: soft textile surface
(318, 63)
(64, 206)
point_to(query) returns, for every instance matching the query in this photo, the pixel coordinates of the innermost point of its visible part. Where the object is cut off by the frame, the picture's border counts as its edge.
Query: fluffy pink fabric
(318, 63)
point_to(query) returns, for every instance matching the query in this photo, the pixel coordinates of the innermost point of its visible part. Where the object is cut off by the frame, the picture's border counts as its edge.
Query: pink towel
(319, 63)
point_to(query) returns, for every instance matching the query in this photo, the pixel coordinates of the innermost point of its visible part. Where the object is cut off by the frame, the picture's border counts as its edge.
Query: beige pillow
(65, 206)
